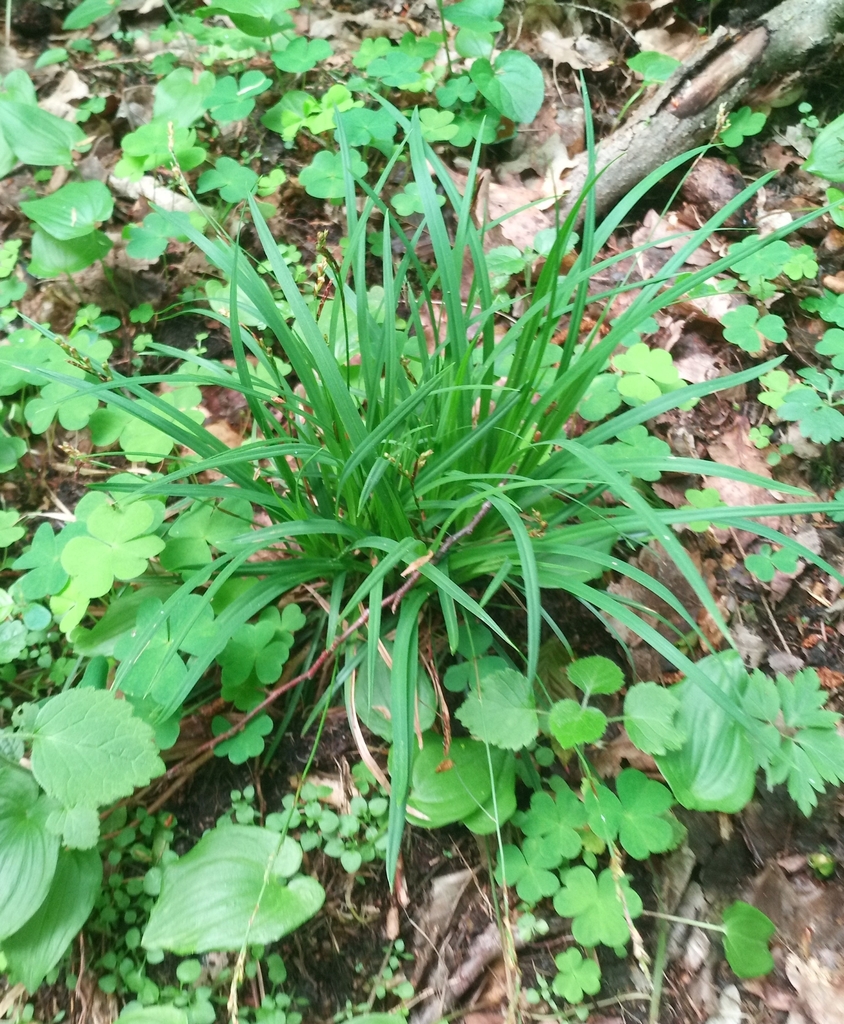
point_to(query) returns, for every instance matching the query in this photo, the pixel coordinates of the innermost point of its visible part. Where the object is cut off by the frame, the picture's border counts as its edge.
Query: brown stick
(685, 111)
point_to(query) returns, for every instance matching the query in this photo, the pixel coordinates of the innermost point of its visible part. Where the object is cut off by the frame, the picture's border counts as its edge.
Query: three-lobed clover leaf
(766, 562)
(744, 327)
(119, 545)
(256, 653)
(829, 307)
(232, 99)
(234, 180)
(636, 816)
(741, 125)
(249, 742)
(324, 177)
(555, 821)
(576, 976)
(529, 871)
(707, 497)
(595, 906)
(832, 344)
(409, 201)
(10, 531)
(501, 709)
(42, 558)
(301, 55)
(647, 373)
(816, 418)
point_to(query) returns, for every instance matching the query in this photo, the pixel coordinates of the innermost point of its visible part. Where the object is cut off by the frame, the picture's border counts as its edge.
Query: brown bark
(685, 111)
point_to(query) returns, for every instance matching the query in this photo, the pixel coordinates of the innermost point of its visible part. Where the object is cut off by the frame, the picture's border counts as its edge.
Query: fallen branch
(684, 113)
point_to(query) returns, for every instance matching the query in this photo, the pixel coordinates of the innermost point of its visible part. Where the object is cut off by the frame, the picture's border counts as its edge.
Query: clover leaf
(249, 742)
(555, 822)
(571, 724)
(650, 718)
(141, 441)
(12, 449)
(744, 327)
(707, 497)
(601, 398)
(234, 180)
(528, 870)
(409, 200)
(645, 827)
(575, 976)
(648, 373)
(741, 125)
(256, 653)
(500, 710)
(9, 529)
(802, 264)
(324, 177)
(301, 55)
(46, 574)
(595, 906)
(746, 934)
(829, 307)
(437, 126)
(119, 545)
(766, 563)
(232, 99)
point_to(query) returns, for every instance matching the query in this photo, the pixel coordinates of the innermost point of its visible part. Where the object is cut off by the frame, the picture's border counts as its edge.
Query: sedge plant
(415, 464)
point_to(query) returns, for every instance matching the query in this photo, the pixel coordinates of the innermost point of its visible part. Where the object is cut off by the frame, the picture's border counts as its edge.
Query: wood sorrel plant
(414, 466)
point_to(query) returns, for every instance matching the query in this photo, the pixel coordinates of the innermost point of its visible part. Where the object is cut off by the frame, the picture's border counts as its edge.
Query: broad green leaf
(88, 749)
(500, 710)
(572, 724)
(595, 675)
(650, 718)
(513, 84)
(162, 1014)
(746, 934)
(478, 15)
(827, 156)
(12, 640)
(36, 137)
(715, 769)
(52, 257)
(87, 13)
(597, 913)
(226, 893)
(72, 211)
(455, 786)
(28, 849)
(34, 950)
(261, 18)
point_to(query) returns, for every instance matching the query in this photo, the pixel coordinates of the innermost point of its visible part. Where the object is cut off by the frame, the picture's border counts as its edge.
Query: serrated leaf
(34, 950)
(88, 749)
(746, 934)
(79, 827)
(571, 724)
(501, 710)
(225, 894)
(595, 675)
(28, 849)
(650, 718)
